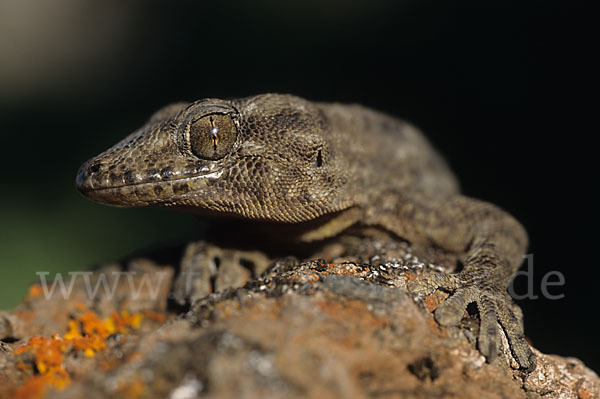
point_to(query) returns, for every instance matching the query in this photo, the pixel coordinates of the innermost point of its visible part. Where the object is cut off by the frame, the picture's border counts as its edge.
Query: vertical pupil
(214, 134)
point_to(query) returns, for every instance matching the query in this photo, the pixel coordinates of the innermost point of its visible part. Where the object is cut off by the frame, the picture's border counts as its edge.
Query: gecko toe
(510, 318)
(452, 310)
(488, 328)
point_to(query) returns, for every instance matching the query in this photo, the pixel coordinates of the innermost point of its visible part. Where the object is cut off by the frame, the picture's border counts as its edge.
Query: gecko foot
(207, 268)
(495, 307)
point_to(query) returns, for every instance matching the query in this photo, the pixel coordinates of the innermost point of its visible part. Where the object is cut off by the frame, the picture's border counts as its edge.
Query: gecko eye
(212, 136)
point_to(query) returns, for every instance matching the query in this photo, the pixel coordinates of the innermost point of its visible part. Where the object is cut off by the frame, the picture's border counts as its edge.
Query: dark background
(503, 90)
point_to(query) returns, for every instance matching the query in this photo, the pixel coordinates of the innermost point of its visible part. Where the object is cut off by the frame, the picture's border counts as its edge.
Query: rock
(313, 329)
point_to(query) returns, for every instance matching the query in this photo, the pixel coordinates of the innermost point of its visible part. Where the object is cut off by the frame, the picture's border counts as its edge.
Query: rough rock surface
(341, 329)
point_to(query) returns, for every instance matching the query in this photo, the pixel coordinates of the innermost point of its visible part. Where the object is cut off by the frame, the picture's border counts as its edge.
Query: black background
(503, 90)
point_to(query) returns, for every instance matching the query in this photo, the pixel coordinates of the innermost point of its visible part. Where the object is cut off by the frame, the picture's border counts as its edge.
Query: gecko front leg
(493, 244)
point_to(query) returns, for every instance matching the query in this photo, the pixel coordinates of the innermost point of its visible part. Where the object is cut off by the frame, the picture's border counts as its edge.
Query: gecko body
(282, 159)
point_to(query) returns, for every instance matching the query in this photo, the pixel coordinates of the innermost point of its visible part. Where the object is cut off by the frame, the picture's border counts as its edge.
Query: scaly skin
(322, 167)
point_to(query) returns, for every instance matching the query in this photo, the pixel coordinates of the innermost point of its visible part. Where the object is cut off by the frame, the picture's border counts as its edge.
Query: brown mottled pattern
(288, 160)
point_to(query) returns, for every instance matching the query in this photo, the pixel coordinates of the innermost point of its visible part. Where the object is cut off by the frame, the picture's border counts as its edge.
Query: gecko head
(268, 157)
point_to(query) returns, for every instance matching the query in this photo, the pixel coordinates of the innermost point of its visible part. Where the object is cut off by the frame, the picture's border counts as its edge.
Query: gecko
(323, 167)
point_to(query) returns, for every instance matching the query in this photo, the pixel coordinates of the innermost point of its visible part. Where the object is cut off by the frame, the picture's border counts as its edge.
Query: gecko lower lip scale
(284, 159)
(81, 176)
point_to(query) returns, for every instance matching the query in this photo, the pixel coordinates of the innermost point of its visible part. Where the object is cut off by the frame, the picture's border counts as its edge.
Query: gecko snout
(84, 179)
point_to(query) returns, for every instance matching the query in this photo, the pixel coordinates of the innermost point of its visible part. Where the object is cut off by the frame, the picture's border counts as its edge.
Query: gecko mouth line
(210, 176)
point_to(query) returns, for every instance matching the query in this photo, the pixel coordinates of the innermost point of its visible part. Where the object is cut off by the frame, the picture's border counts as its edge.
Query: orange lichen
(124, 321)
(92, 325)
(435, 300)
(48, 357)
(152, 315)
(87, 333)
(584, 394)
(33, 387)
(35, 290)
(353, 311)
(23, 366)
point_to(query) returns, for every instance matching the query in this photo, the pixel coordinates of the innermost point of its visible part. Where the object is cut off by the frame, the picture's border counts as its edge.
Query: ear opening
(319, 159)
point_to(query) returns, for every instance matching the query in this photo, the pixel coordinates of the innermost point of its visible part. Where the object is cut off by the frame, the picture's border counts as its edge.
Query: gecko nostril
(94, 168)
